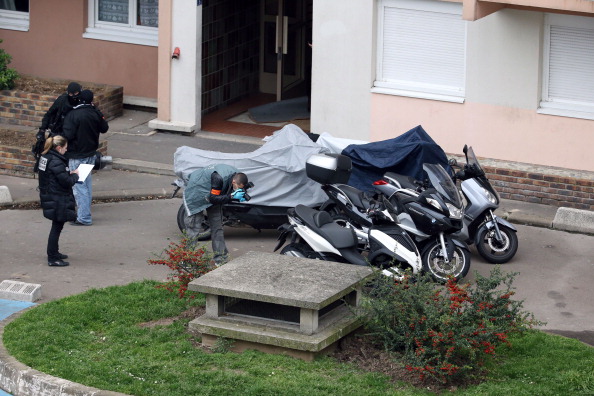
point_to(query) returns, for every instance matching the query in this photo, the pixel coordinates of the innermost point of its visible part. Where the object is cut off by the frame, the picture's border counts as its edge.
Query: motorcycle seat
(338, 236)
(402, 180)
(356, 196)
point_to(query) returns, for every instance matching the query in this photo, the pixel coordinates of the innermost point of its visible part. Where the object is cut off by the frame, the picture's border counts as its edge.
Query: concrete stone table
(279, 304)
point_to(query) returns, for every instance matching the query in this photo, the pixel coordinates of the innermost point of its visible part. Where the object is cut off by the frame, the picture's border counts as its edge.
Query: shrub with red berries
(446, 332)
(187, 260)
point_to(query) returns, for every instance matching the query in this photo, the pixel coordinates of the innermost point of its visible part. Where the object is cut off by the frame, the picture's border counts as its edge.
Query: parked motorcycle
(313, 234)
(429, 217)
(238, 214)
(495, 238)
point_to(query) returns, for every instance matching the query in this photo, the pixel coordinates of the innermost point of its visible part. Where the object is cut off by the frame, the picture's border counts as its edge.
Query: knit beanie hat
(86, 96)
(73, 88)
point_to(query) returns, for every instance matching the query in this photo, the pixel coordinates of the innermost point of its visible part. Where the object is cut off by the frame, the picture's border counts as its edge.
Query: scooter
(313, 234)
(495, 238)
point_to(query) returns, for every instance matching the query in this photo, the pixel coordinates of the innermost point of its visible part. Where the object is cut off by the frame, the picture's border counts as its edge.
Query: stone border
(21, 380)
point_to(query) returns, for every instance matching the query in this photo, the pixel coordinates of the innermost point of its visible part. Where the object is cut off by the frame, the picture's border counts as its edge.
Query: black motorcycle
(238, 214)
(430, 215)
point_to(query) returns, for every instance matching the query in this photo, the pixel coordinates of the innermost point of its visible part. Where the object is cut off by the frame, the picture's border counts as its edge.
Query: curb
(21, 380)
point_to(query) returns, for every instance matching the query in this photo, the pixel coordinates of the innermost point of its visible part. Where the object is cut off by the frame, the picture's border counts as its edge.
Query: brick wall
(27, 109)
(17, 161)
(545, 188)
(539, 184)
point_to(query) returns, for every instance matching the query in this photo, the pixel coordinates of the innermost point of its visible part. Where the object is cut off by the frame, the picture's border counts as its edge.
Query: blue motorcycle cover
(404, 154)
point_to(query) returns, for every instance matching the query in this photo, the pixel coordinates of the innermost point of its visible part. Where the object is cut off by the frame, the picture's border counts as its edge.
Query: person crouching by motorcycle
(55, 193)
(209, 189)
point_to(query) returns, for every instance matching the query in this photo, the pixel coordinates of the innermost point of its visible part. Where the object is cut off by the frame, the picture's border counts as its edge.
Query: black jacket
(55, 187)
(220, 189)
(54, 117)
(82, 127)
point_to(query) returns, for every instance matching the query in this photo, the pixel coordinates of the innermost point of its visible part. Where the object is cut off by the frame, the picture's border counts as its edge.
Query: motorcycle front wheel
(494, 251)
(181, 223)
(440, 270)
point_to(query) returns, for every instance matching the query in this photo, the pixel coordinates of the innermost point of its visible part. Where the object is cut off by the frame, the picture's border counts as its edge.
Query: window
(421, 49)
(127, 21)
(568, 86)
(14, 14)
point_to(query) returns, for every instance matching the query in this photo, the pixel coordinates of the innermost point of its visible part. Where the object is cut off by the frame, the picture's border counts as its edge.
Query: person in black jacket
(55, 193)
(53, 120)
(82, 128)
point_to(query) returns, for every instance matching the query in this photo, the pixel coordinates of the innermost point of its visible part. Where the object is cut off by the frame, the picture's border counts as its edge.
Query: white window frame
(417, 89)
(14, 20)
(558, 106)
(109, 31)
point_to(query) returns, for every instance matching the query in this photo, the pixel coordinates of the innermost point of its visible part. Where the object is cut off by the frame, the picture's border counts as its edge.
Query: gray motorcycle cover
(277, 169)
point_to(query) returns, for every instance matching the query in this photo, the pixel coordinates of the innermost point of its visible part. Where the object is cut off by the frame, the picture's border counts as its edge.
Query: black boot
(57, 263)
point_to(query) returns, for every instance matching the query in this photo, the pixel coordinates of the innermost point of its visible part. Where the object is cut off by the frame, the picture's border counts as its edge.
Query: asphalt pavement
(124, 235)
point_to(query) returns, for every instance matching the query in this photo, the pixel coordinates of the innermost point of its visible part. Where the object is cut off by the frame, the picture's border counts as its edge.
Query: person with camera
(82, 127)
(55, 193)
(53, 119)
(209, 189)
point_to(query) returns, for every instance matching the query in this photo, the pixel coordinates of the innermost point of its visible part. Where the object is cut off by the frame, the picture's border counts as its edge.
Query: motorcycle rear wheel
(434, 263)
(492, 250)
(300, 250)
(181, 223)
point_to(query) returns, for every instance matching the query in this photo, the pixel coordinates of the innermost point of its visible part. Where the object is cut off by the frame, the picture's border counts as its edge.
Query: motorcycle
(431, 215)
(237, 214)
(495, 238)
(277, 169)
(314, 235)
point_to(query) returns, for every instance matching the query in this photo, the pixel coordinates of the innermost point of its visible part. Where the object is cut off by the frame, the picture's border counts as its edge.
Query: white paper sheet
(83, 171)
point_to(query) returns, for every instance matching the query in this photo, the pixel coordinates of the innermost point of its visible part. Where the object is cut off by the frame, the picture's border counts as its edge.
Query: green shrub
(7, 75)
(444, 332)
(187, 259)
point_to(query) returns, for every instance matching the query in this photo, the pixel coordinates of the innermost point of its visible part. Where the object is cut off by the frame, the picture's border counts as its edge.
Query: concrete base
(266, 338)
(174, 126)
(577, 220)
(5, 197)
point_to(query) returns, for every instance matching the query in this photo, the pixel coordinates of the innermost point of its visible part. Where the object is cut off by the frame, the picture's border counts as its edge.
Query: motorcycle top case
(328, 168)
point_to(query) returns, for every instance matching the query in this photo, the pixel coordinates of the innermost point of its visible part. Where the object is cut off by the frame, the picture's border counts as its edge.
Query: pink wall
(527, 136)
(54, 47)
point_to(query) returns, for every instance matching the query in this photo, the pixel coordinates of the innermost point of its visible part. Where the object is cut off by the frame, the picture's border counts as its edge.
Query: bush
(7, 75)
(444, 332)
(188, 260)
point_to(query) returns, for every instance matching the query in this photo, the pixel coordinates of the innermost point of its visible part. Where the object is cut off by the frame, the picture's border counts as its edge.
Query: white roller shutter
(568, 79)
(422, 47)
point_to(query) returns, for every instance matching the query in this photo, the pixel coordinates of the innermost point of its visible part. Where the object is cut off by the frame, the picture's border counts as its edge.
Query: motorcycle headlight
(434, 203)
(490, 197)
(455, 213)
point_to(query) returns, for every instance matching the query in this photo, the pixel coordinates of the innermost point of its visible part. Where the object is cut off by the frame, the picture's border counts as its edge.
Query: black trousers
(53, 240)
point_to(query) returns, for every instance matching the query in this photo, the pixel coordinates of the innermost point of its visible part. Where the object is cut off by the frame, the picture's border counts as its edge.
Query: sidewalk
(143, 166)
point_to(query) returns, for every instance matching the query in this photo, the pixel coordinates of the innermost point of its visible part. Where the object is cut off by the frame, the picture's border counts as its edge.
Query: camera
(102, 161)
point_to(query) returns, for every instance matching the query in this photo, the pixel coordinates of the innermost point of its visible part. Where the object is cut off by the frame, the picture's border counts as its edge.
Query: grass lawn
(96, 338)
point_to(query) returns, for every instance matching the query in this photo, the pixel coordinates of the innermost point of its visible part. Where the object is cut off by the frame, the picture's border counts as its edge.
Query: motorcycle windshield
(443, 183)
(473, 161)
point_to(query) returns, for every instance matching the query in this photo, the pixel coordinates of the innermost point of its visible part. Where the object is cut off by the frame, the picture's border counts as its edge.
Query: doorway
(285, 56)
